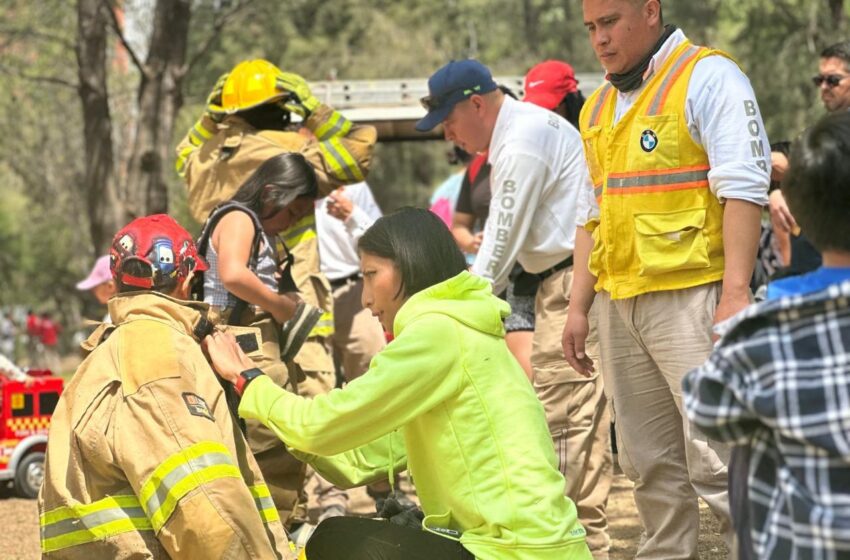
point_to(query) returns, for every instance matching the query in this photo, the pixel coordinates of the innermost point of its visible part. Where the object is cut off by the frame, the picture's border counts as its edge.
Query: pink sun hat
(99, 274)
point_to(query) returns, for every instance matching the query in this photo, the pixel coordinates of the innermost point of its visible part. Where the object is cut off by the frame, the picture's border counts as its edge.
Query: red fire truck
(25, 412)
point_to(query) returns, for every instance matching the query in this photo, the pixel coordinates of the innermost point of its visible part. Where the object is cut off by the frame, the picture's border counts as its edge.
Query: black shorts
(520, 295)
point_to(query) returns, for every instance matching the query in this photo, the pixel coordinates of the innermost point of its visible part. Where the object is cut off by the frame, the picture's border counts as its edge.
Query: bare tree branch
(218, 25)
(116, 27)
(34, 78)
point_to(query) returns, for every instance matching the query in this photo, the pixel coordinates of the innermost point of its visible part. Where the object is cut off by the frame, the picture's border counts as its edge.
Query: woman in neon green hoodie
(445, 399)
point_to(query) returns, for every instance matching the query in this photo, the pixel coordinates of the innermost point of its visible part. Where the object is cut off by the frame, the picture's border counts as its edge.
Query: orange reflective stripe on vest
(657, 181)
(664, 89)
(597, 192)
(602, 98)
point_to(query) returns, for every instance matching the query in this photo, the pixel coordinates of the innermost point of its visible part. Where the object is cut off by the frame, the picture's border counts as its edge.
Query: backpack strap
(203, 244)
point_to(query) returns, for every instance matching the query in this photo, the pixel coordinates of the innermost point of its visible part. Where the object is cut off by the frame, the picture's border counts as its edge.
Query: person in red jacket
(49, 335)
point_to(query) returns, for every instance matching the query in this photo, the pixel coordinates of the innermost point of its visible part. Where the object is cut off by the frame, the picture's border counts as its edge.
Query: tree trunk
(836, 9)
(105, 210)
(529, 19)
(568, 38)
(160, 98)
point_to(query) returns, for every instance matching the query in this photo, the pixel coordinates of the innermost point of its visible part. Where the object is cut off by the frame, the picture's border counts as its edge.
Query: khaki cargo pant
(358, 336)
(648, 343)
(576, 411)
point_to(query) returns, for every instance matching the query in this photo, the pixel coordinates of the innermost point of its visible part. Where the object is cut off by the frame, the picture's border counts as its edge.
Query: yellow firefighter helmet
(251, 83)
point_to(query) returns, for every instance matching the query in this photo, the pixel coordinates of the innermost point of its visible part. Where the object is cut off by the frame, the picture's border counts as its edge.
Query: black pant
(739, 499)
(356, 538)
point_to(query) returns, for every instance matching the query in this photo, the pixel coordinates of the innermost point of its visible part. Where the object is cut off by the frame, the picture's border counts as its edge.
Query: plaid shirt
(780, 381)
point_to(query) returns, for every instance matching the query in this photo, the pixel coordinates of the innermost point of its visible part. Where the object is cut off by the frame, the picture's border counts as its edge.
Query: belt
(343, 281)
(566, 263)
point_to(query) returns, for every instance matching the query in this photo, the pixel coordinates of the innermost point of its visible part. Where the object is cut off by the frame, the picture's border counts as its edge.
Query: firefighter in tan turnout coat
(144, 459)
(247, 121)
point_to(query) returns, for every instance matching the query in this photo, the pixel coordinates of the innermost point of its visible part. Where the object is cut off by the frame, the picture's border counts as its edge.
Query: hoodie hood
(466, 298)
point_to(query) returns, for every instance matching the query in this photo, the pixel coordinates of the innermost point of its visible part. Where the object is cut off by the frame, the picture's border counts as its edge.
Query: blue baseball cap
(451, 84)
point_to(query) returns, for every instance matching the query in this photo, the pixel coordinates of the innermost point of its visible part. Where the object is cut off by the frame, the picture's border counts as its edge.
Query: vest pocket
(597, 255)
(671, 241)
(590, 141)
(653, 143)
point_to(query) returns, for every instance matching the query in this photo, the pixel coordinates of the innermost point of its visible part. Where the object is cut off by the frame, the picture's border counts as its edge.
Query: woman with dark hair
(445, 399)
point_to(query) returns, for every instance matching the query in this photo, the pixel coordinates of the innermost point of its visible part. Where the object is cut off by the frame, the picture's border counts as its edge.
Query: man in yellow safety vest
(666, 241)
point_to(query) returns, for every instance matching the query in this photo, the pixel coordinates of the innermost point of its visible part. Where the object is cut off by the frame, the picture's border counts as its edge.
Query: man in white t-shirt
(341, 219)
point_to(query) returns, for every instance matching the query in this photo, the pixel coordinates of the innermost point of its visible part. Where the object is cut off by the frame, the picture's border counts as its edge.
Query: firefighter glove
(400, 514)
(296, 330)
(301, 100)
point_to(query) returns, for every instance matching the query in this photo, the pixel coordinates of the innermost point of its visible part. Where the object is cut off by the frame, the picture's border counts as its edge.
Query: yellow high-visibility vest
(660, 227)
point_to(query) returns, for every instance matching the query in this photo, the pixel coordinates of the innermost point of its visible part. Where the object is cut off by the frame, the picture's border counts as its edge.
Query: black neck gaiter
(633, 79)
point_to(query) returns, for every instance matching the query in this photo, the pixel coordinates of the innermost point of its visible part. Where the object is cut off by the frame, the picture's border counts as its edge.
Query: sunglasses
(831, 80)
(433, 102)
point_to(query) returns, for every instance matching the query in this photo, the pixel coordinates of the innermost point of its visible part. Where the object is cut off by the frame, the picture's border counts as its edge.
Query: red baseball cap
(547, 83)
(162, 244)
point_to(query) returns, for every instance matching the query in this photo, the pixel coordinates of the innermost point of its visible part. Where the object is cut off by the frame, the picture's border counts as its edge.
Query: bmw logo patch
(648, 140)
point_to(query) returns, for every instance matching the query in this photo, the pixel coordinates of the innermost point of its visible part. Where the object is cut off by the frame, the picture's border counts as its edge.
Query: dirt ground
(624, 526)
(19, 533)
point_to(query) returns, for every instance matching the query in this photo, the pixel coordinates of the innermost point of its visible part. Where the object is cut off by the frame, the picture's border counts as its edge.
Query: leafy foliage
(44, 229)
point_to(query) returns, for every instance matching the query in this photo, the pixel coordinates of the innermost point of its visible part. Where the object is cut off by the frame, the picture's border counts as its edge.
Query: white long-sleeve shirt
(723, 118)
(538, 171)
(338, 256)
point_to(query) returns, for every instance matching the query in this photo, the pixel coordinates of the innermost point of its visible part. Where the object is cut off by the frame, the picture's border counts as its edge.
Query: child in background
(100, 283)
(779, 381)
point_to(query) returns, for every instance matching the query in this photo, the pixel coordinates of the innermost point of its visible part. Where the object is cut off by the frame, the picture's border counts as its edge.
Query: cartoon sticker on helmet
(187, 262)
(162, 253)
(126, 244)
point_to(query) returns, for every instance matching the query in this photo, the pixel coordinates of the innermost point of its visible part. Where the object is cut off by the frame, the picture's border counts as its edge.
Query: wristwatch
(245, 378)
